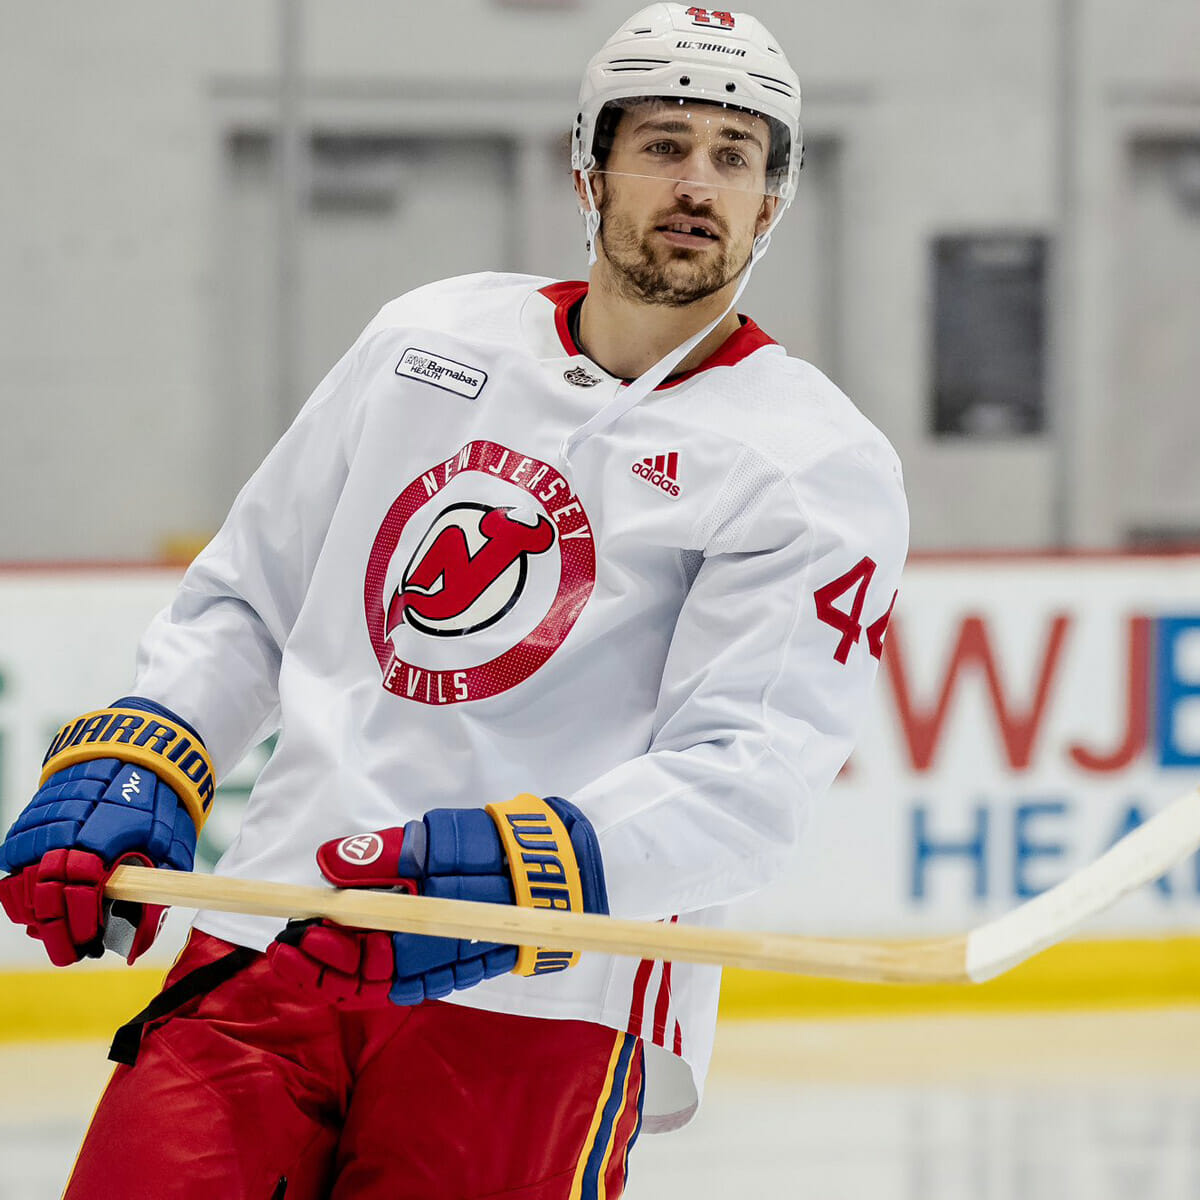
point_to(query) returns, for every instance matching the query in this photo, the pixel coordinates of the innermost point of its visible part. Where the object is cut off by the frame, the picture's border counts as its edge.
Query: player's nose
(698, 180)
(697, 191)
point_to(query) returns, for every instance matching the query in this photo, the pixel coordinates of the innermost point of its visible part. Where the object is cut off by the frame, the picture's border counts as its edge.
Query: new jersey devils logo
(478, 572)
(469, 570)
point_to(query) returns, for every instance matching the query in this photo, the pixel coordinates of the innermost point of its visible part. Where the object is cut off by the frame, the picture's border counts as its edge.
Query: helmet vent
(772, 84)
(639, 32)
(639, 68)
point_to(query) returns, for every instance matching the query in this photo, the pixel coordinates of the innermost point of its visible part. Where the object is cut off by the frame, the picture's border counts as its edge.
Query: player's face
(681, 199)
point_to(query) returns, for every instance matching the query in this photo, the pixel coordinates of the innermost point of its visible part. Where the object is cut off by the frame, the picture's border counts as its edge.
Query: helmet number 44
(702, 16)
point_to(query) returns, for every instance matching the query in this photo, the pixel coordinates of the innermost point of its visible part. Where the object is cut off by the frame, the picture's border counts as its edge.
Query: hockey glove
(128, 784)
(538, 853)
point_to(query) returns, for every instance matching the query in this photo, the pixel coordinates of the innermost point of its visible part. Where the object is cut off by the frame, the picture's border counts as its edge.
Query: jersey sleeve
(213, 655)
(766, 682)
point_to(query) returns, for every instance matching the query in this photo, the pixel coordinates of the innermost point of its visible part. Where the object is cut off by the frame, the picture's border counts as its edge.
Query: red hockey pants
(255, 1092)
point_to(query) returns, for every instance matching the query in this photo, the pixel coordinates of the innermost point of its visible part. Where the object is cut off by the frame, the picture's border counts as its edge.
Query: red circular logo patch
(360, 849)
(479, 571)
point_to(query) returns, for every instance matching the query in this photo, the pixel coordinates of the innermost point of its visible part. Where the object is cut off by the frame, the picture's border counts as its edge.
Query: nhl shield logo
(479, 570)
(580, 378)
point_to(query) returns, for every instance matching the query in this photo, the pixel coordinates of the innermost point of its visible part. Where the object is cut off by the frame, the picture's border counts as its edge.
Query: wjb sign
(1158, 698)
(1027, 714)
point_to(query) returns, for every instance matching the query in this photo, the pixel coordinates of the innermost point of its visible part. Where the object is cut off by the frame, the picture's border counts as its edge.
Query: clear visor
(711, 145)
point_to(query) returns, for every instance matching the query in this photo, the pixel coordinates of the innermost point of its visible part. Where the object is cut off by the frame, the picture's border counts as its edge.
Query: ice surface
(1016, 1107)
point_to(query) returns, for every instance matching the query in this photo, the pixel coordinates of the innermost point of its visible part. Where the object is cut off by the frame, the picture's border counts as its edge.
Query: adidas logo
(660, 471)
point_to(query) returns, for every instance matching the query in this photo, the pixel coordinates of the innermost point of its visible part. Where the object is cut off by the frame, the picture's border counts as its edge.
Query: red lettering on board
(1137, 705)
(973, 652)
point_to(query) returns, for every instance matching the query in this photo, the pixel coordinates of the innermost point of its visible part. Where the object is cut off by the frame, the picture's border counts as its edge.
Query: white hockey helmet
(696, 58)
(677, 52)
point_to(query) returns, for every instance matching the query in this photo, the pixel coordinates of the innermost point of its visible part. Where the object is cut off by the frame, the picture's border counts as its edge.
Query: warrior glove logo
(469, 570)
(360, 849)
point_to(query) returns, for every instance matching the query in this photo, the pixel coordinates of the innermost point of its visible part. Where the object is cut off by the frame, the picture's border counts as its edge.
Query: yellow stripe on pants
(597, 1117)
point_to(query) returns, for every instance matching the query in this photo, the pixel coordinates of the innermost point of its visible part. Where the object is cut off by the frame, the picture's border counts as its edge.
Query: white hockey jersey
(676, 627)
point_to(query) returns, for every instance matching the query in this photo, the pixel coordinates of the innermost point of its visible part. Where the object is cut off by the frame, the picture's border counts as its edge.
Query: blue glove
(540, 853)
(131, 783)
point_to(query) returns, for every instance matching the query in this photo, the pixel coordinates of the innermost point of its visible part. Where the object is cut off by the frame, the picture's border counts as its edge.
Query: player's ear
(581, 192)
(766, 214)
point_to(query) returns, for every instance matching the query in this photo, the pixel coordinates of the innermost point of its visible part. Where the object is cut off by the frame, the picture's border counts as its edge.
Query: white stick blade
(1141, 856)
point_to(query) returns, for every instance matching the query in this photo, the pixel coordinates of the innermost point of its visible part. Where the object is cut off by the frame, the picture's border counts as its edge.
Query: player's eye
(662, 147)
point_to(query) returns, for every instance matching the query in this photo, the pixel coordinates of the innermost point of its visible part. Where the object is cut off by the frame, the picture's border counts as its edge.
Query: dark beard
(642, 276)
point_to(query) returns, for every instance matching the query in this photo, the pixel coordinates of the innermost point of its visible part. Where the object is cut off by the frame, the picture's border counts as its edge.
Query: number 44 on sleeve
(848, 624)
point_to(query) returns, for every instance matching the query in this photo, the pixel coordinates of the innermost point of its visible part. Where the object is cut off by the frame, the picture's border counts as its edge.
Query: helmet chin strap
(591, 218)
(631, 396)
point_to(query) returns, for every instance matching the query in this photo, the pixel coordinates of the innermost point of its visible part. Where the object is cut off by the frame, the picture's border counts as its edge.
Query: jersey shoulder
(786, 411)
(485, 305)
(798, 436)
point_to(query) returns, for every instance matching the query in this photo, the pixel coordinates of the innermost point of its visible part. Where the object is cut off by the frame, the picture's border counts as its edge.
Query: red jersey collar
(738, 345)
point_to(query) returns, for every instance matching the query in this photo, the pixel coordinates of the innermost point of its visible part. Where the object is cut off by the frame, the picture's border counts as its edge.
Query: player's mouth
(694, 233)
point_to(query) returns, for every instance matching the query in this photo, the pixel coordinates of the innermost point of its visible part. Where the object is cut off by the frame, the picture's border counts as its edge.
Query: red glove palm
(60, 901)
(346, 966)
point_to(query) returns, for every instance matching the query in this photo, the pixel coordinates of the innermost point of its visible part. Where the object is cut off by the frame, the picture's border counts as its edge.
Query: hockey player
(602, 547)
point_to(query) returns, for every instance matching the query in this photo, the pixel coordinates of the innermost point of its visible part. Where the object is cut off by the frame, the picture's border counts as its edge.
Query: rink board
(1114, 973)
(1028, 712)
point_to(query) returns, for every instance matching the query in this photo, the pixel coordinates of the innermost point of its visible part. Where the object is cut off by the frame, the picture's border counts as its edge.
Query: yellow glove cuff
(544, 872)
(156, 743)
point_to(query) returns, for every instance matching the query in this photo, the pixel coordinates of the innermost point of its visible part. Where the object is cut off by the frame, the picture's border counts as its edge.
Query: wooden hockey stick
(1139, 857)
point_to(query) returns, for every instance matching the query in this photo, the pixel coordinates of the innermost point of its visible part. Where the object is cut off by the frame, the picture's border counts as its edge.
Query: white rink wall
(122, 265)
(1028, 712)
